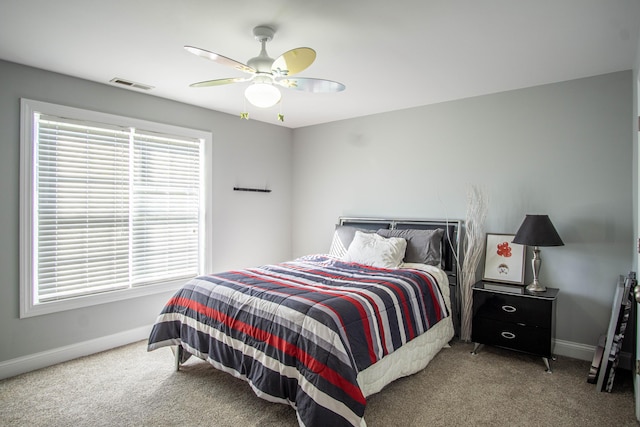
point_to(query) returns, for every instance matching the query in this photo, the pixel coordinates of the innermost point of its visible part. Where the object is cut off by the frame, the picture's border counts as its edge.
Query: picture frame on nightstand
(504, 260)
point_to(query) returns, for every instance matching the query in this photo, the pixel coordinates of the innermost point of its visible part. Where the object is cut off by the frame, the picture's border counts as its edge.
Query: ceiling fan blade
(293, 61)
(311, 85)
(223, 60)
(220, 82)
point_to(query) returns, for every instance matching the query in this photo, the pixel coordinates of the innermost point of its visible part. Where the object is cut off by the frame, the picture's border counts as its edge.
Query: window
(112, 207)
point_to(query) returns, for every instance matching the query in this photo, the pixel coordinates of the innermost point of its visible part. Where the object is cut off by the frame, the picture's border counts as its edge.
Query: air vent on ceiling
(129, 83)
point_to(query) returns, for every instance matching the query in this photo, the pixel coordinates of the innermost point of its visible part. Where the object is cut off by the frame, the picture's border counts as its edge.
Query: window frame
(28, 108)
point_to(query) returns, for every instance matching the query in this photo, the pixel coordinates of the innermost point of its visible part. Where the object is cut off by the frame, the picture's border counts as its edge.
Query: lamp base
(535, 286)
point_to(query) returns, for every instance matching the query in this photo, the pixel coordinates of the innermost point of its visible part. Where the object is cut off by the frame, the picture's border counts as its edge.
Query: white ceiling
(390, 55)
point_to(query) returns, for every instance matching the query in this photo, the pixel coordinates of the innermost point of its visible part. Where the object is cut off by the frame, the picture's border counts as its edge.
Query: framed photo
(503, 261)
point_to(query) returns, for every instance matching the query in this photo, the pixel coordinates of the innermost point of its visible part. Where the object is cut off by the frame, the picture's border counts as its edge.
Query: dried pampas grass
(474, 240)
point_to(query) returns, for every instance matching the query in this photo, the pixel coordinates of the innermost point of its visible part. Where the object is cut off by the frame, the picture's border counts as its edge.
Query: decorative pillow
(377, 251)
(342, 238)
(423, 246)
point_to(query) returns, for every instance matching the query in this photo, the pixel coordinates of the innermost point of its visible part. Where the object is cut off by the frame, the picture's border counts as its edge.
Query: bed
(324, 331)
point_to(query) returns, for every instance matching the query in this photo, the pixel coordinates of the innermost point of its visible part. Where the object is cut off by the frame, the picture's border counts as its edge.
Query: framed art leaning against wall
(503, 261)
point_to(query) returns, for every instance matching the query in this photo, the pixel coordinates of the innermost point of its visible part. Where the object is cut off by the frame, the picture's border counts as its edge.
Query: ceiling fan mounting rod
(262, 63)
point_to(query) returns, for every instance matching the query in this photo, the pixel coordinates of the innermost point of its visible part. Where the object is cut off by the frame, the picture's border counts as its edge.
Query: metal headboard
(451, 248)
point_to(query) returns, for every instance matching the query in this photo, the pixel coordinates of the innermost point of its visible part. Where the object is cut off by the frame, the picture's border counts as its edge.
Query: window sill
(32, 310)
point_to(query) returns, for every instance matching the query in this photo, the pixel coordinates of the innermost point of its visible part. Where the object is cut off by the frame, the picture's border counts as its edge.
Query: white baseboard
(586, 352)
(43, 359)
(574, 350)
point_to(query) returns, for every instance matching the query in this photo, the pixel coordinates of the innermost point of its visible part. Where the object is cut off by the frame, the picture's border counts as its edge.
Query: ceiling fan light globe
(262, 95)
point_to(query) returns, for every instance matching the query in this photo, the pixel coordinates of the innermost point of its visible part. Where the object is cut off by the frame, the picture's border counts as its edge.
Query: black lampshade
(537, 230)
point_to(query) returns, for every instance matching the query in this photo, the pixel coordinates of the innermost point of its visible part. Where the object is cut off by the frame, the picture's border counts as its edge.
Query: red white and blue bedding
(299, 332)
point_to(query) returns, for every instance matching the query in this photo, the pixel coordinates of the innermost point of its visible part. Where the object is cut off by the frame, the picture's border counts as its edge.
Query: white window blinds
(115, 208)
(165, 214)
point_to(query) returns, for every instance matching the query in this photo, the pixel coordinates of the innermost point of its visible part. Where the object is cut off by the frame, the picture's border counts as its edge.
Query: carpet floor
(128, 386)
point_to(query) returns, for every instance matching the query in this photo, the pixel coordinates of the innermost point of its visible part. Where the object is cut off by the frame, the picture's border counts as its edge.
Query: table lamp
(536, 231)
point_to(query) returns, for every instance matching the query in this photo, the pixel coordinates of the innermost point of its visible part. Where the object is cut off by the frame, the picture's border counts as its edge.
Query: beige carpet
(130, 387)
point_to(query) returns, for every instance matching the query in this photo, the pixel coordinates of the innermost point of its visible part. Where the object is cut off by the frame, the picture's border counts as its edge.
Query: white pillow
(374, 250)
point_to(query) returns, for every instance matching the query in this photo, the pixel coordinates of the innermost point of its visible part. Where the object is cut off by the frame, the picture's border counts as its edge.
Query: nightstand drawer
(512, 336)
(512, 309)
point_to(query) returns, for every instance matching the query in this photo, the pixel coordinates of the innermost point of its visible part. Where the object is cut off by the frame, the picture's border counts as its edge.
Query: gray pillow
(423, 246)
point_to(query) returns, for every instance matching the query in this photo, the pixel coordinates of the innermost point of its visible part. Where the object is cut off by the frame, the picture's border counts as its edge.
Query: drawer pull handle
(509, 308)
(508, 335)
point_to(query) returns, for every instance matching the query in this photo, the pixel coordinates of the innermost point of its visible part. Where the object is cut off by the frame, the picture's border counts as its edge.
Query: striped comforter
(299, 332)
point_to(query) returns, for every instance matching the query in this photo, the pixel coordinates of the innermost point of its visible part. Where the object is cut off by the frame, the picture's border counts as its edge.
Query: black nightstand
(511, 317)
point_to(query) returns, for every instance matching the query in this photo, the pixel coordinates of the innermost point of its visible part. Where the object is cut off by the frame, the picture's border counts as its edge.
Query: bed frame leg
(178, 355)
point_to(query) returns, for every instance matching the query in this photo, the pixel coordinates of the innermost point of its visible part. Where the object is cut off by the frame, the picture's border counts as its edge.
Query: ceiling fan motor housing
(261, 63)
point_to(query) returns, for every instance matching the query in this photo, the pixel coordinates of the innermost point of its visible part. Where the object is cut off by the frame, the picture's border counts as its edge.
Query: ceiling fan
(265, 73)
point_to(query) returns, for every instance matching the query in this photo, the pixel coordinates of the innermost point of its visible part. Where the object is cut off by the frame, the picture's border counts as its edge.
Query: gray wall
(562, 149)
(250, 228)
